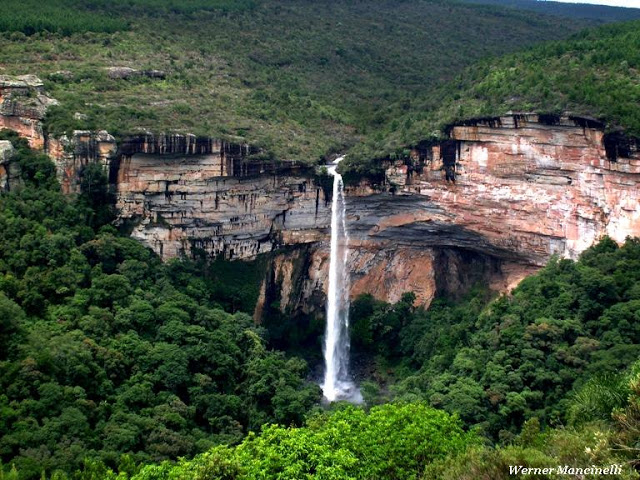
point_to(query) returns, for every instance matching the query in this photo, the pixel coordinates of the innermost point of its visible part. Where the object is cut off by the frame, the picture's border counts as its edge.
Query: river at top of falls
(338, 384)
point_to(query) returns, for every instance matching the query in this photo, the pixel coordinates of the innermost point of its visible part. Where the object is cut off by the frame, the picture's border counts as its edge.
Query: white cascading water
(337, 381)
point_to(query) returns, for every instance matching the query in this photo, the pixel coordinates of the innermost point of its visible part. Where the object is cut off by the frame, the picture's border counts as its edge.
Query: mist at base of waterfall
(343, 391)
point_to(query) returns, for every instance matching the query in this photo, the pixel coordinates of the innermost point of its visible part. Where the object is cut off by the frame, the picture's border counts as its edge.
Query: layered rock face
(23, 104)
(218, 203)
(521, 188)
(8, 171)
(491, 204)
(71, 153)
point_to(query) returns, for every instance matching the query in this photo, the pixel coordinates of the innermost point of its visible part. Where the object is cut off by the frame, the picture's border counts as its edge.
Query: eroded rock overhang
(512, 190)
(522, 187)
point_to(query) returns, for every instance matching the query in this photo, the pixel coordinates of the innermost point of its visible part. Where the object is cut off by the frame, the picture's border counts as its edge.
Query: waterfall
(337, 381)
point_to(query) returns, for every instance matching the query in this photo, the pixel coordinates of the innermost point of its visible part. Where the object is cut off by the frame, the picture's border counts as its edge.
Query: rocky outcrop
(126, 73)
(297, 279)
(490, 204)
(389, 272)
(71, 153)
(23, 104)
(8, 171)
(6, 152)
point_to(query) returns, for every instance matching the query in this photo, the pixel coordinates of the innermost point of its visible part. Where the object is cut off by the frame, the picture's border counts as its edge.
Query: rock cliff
(218, 202)
(23, 104)
(519, 187)
(490, 204)
(7, 169)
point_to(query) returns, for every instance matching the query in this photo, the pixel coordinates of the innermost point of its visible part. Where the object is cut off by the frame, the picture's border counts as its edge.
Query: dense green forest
(546, 376)
(414, 441)
(501, 362)
(105, 351)
(300, 78)
(601, 13)
(69, 17)
(111, 361)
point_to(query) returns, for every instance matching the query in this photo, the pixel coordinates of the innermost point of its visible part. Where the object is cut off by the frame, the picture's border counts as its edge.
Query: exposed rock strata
(297, 281)
(502, 195)
(509, 191)
(214, 203)
(523, 190)
(23, 104)
(72, 153)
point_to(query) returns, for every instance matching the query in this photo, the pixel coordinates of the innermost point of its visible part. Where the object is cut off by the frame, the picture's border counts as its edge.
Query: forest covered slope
(299, 78)
(595, 74)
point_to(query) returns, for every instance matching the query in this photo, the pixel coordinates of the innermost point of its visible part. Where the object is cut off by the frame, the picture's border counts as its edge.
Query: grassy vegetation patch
(301, 79)
(68, 17)
(56, 16)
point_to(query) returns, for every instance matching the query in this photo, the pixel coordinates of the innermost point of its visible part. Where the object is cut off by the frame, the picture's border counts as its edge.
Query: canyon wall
(23, 105)
(491, 204)
(521, 186)
(218, 203)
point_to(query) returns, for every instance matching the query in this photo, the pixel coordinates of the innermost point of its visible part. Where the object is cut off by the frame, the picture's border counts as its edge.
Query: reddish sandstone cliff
(498, 199)
(524, 188)
(23, 104)
(490, 204)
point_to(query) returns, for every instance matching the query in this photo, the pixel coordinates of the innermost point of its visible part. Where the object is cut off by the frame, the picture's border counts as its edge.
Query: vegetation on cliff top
(300, 78)
(69, 17)
(594, 73)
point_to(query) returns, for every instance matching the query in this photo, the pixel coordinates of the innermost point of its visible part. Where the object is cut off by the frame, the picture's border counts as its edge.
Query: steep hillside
(598, 13)
(593, 74)
(300, 78)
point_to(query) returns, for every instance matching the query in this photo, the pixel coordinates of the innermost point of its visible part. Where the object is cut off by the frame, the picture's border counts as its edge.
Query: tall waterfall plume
(337, 381)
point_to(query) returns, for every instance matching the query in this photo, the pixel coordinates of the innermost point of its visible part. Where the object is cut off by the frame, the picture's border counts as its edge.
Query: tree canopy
(108, 354)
